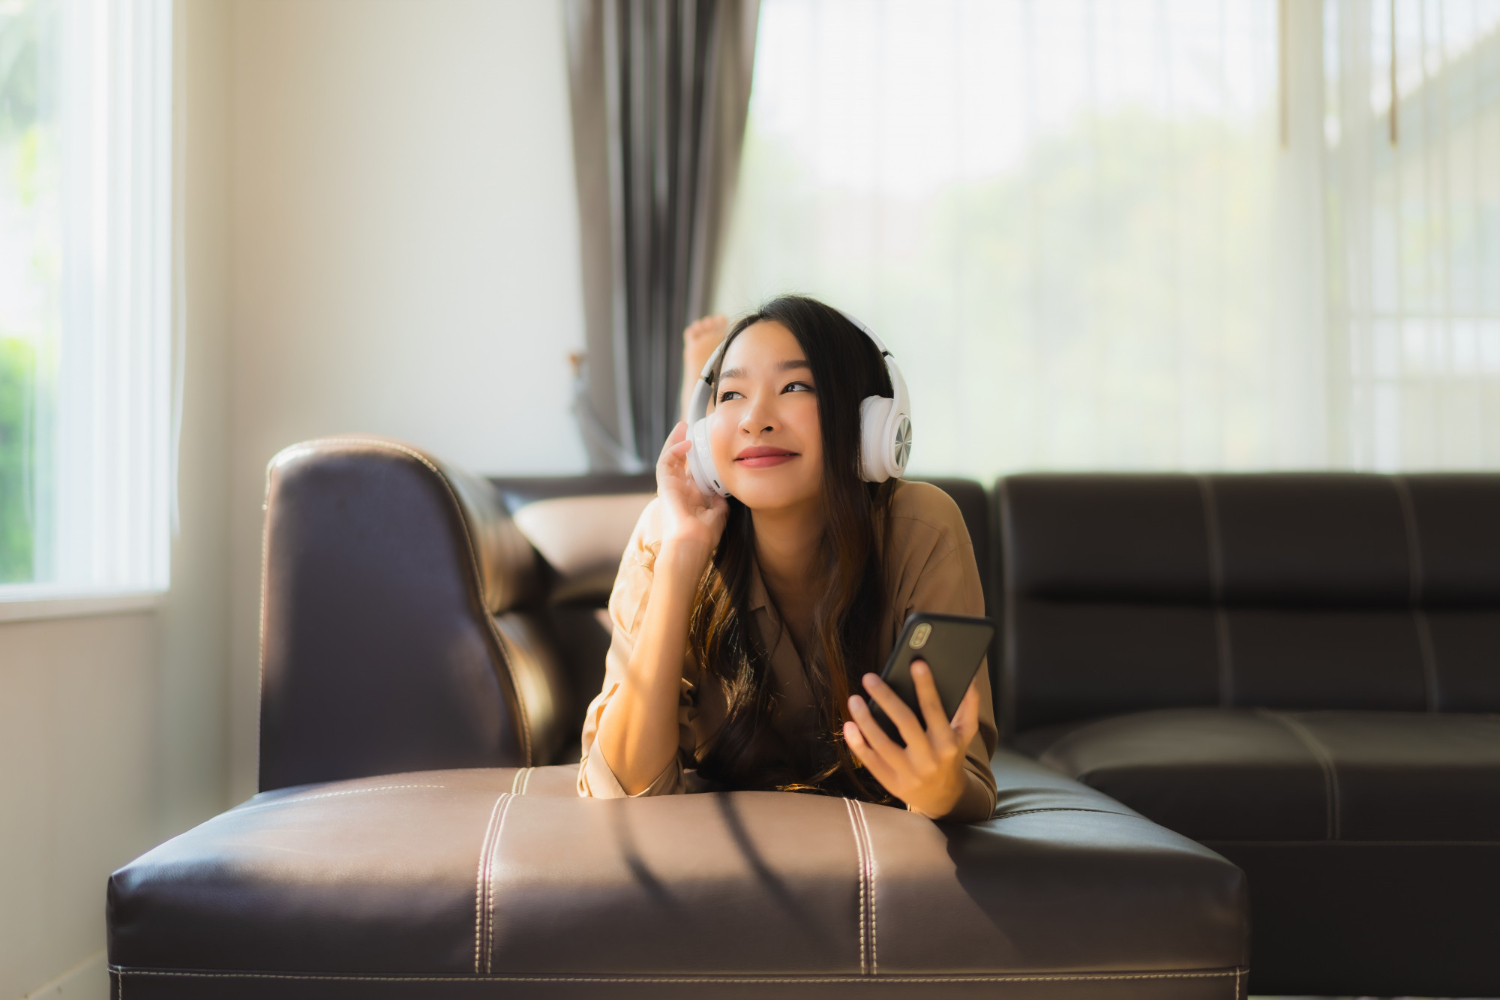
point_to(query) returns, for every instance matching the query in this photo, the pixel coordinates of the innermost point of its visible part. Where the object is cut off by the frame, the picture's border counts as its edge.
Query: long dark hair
(745, 752)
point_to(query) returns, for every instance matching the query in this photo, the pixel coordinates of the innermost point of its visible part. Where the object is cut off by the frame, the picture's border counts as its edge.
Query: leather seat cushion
(507, 873)
(582, 539)
(1259, 775)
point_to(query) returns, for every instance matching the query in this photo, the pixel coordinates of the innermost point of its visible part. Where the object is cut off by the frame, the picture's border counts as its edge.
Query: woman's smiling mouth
(763, 457)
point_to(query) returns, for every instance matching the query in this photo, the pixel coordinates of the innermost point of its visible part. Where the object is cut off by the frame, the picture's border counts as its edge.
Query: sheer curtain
(85, 296)
(1415, 228)
(1124, 234)
(659, 90)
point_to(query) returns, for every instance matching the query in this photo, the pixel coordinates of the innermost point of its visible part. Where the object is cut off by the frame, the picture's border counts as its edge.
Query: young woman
(745, 629)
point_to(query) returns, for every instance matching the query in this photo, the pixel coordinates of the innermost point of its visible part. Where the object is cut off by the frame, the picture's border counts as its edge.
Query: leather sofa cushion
(582, 538)
(1260, 775)
(1308, 591)
(506, 872)
(579, 525)
(1282, 539)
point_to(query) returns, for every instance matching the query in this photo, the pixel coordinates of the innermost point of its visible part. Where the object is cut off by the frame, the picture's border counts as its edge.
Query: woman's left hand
(928, 773)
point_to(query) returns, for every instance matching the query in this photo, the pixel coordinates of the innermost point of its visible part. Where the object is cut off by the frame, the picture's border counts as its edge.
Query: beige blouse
(930, 567)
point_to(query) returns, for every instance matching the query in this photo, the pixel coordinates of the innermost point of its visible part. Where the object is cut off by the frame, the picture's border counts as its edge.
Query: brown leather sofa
(1299, 671)
(418, 832)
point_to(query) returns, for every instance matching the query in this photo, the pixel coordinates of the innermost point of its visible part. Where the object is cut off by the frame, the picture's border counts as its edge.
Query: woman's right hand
(690, 520)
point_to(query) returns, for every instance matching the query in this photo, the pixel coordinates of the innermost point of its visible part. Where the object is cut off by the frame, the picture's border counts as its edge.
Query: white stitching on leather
(1236, 984)
(1216, 591)
(294, 799)
(869, 867)
(484, 848)
(1325, 761)
(1419, 615)
(517, 782)
(859, 850)
(888, 980)
(1413, 540)
(312, 447)
(527, 783)
(1226, 657)
(1064, 809)
(1429, 657)
(864, 822)
(489, 888)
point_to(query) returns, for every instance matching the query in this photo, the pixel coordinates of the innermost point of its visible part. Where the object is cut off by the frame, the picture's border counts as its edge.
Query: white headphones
(884, 425)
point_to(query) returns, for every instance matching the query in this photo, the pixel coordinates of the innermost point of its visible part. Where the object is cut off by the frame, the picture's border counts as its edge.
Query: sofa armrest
(381, 570)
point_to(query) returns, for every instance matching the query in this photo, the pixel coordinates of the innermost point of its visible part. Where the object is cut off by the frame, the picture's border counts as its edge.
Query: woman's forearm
(638, 729)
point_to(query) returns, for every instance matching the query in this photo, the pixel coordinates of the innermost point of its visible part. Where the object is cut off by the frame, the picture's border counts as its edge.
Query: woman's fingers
(674, 451)
(907, 723)
(873, 762)
(966, 719)
(671, 446)
(938, 730)
(874, 736)
(680, 494)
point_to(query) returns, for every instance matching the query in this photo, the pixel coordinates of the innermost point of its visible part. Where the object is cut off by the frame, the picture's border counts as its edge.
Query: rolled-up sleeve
(627, 608)
(940, 575)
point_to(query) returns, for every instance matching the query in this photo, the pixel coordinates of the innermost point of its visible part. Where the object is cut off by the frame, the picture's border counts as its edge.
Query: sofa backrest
(382, 573)
(1315, 590)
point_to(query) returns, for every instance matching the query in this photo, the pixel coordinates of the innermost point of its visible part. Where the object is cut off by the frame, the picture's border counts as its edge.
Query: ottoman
(502, 882)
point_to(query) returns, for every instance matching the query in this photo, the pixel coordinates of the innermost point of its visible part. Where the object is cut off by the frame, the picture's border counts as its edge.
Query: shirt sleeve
(627, 608)
(943, 578)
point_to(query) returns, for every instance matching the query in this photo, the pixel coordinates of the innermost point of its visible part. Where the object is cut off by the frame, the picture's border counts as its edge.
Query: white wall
(112, 728)
(77, 781)
(404, 245)
(381, 236)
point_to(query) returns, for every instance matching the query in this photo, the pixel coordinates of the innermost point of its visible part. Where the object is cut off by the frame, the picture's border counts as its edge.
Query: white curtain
(1415, 229)
(1143, 234)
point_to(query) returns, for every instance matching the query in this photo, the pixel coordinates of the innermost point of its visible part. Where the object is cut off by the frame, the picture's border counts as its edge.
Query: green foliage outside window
(20, 138)
(16, 379)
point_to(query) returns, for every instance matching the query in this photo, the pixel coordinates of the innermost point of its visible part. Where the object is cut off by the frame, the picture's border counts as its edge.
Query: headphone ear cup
(874, 438)
(700, 461)
(884, 439)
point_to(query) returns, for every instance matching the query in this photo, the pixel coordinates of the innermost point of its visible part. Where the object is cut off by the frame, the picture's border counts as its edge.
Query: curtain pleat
(659, 94)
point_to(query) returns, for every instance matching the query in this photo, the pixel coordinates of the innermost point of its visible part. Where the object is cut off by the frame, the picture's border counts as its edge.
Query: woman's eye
(798, 387)
(727, 395)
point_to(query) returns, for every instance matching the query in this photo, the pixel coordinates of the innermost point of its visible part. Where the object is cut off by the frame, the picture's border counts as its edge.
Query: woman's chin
(759, 491)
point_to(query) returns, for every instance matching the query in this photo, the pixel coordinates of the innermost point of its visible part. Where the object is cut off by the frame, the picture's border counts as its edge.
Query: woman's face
(765, 435)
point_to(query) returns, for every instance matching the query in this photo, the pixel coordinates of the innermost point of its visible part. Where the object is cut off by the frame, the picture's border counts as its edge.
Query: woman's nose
(760, 416)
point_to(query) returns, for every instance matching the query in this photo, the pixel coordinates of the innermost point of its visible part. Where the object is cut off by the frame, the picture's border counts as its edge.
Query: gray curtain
(660, 89)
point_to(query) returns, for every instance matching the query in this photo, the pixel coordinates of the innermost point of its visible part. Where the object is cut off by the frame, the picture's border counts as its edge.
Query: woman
(744, 627)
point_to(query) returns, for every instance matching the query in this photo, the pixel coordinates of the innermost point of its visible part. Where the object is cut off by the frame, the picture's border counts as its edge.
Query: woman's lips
(763, 457)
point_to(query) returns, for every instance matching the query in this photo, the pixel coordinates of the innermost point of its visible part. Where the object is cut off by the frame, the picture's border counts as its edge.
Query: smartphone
(953, 647)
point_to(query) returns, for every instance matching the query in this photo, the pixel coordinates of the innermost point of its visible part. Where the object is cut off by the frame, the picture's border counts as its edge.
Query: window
(85, 296)
(1144, 234)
